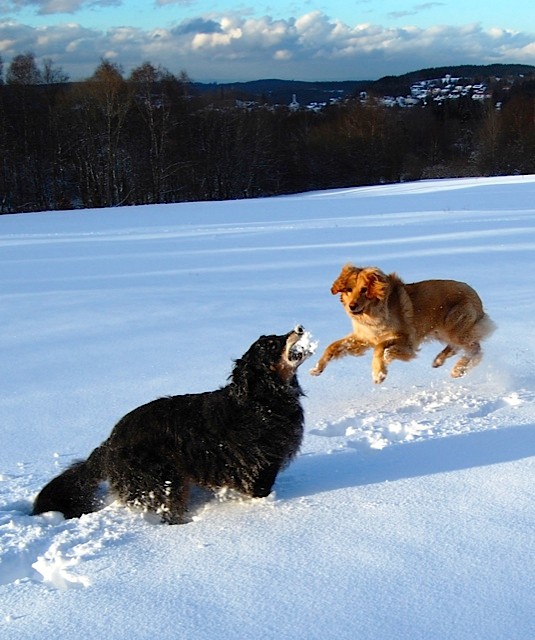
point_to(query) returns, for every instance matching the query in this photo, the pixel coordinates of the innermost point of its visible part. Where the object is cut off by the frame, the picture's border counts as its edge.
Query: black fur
(239, 436)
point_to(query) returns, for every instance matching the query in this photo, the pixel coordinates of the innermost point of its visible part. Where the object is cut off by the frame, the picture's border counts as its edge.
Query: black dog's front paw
(261, 492)
(264, 483)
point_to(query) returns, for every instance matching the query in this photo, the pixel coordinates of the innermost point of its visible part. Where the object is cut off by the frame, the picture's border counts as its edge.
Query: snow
(409, 512)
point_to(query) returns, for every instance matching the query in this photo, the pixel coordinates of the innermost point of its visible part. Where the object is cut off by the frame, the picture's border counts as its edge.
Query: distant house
(294, 105)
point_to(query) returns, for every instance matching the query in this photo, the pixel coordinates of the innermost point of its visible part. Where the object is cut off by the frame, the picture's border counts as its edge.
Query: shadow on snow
(318, 473)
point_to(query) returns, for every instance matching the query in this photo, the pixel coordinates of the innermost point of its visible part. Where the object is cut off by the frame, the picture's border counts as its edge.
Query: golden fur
(394, 318)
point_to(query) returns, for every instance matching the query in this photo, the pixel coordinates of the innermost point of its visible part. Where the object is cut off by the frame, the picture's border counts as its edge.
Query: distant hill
(398, 85)
(276, 91)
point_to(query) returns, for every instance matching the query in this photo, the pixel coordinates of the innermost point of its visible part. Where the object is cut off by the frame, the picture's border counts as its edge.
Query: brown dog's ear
(340, 284)
(377, 284)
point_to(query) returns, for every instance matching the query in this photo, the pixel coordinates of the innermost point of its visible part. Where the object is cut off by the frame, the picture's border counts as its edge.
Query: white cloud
(283, 54)
(49, 7)
(230, 47)
(415, 10)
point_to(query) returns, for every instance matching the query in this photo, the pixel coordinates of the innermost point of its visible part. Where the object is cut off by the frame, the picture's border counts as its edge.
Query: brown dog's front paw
(379, 377)
(316, 371)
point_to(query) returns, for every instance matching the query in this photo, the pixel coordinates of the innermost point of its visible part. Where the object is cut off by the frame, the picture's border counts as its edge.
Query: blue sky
(301, 39)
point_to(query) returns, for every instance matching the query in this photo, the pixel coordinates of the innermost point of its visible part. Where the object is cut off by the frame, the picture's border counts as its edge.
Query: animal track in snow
(49, 549)
(434, 412)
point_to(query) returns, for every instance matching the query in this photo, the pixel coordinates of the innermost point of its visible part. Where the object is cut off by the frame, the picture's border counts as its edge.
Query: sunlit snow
(410, 511)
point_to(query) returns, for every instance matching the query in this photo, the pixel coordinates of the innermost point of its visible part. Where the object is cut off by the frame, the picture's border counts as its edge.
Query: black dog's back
(239, 436)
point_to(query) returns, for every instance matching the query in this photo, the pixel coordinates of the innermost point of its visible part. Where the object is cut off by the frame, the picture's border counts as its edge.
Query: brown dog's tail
(484, 327)
(75, 491)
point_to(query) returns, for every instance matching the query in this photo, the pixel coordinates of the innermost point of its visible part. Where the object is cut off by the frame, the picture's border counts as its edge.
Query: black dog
(239, 436)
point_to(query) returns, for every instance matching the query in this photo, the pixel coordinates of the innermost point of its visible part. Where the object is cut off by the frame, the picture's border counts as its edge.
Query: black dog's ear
(340, 284)
(238, 379)
(246, 369)
(257, 367)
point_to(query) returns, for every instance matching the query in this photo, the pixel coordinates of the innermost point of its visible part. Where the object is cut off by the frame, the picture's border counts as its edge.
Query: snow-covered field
(410, 512)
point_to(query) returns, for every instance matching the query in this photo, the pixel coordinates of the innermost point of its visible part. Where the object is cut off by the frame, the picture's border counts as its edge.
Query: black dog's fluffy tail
(75, 491)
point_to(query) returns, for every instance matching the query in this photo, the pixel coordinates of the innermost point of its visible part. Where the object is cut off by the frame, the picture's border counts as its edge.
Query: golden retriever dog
(394, 319)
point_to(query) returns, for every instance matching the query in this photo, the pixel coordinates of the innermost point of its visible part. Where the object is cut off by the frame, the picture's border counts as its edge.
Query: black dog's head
(285, 353)
(298, 347)
(273, 360)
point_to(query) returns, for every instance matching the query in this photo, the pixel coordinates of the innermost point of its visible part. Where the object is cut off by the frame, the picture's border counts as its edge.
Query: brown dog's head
(360, 288)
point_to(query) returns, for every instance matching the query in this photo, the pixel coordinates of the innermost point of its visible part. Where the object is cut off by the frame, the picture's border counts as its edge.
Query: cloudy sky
(225, 40)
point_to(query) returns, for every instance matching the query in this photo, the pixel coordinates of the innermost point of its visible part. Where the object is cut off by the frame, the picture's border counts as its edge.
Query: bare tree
(23, 70)
(109, 100)
(153, 97)
(53, 74)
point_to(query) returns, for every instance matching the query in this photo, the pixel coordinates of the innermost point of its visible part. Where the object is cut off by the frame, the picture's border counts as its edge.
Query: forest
(150, 137)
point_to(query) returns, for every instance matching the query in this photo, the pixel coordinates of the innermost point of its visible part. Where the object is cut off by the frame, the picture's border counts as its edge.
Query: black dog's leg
(265, 481)
(154, 488)
(167, 500)
(174, 503)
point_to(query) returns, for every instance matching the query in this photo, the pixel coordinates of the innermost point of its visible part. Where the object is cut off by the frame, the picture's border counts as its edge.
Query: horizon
(323, 80)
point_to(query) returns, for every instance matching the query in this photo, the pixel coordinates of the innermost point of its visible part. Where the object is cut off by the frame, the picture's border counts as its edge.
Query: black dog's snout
(299, 329)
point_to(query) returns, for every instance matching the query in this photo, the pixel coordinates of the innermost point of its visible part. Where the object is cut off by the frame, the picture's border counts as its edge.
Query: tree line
(113, 140)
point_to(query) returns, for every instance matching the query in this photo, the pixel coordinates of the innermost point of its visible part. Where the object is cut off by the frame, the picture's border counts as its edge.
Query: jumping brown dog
(394, 318)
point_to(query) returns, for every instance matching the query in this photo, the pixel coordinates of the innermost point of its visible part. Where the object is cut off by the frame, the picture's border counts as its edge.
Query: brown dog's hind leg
(446, 353)
(472, 356)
